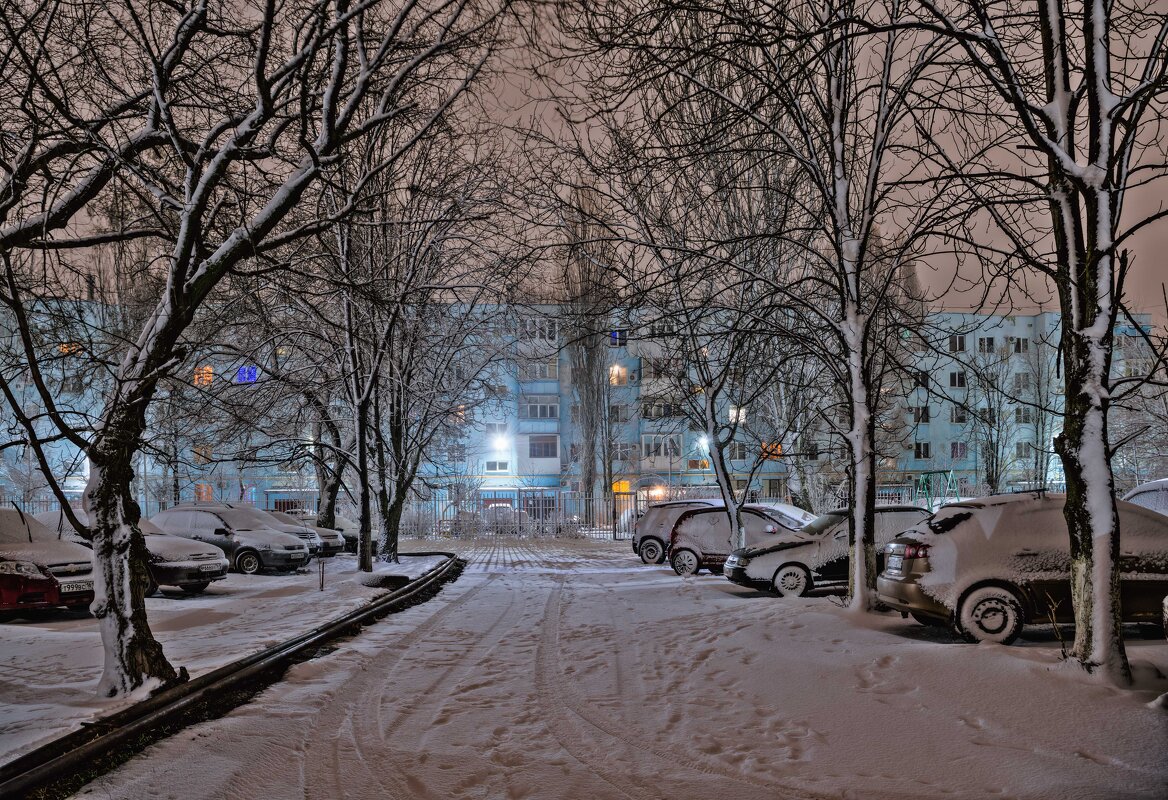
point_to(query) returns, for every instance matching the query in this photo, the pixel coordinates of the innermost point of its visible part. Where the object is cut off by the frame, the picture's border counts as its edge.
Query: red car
(38, 570)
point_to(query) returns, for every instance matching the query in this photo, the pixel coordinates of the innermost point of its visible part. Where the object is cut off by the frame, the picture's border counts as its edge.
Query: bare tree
(236, 119)
(833, 109)
(1081, 87)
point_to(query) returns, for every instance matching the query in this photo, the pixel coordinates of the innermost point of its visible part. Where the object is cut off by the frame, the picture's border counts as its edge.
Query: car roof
(1160, 485)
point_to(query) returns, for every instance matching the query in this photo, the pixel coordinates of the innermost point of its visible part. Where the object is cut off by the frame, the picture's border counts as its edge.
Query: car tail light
(916, 551)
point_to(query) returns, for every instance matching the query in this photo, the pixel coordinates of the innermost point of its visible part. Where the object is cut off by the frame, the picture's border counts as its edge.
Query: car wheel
(928, 622)
(792, 580)
(990, 614)
(195, 588)
(248, 562)
(685, 562)
(652, 552)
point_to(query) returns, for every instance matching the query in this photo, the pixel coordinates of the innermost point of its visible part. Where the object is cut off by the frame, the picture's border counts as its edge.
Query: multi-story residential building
(987, 398)
(981, 409)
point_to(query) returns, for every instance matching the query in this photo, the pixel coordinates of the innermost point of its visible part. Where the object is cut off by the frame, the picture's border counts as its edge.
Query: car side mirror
(222, 532)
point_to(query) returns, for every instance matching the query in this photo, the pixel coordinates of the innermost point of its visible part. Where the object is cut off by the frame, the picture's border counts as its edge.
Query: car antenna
(23, 520)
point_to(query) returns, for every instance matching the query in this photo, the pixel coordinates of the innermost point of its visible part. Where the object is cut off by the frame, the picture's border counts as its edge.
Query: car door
(1143, 562)
(208, 527)
(759, 528)
(831, 555)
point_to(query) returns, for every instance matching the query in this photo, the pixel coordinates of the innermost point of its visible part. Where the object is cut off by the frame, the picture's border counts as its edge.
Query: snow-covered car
(652, 530)
(331, 541)
(704, 537)
(264, 519)
(1153, 495)
(174, 561)
(818, 557)
(989, 566)
(249, 543)
(350, 531)
(38, 570)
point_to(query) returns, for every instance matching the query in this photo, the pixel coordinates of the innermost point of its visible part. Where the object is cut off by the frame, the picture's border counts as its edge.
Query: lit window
(69, 348)
(618, 375)
(204, 493)
(738, 415)
(247, 374)
(772, 451)
(204, 375)
(618, 338)
(202, 454)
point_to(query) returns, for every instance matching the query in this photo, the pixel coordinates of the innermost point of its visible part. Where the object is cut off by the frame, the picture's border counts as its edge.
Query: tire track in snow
(560, 699)
(359, 736)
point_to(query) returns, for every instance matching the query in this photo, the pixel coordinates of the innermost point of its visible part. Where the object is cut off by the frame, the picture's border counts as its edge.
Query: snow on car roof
(56, 522)
(1160, 485)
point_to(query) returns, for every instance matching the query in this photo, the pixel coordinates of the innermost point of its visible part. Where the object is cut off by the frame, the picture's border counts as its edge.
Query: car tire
(652, 551)
(248, 562)
(195, 588)
(685, 562)
(990, 614)
(791, 580)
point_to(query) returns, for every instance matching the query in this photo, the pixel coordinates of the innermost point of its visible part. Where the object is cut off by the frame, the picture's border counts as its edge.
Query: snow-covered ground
(566, 669)
(49, 669)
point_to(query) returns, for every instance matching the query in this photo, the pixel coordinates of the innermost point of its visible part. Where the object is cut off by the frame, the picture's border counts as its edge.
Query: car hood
(262, 536)
(165, 547)
(783, 541)
(45, 554)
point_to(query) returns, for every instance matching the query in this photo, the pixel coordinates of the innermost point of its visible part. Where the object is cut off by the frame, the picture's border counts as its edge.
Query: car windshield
(820, 525)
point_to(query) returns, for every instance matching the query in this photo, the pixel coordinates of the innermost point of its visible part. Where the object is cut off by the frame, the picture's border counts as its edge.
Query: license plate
(78, 586)
(895, 562)
(209, 567)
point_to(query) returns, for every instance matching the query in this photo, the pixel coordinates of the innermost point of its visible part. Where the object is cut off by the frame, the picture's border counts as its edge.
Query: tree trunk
(133, 658)
(1091, 514)
(365, 524)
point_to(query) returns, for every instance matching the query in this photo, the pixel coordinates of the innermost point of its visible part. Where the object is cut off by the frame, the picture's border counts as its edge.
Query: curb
(57, 765)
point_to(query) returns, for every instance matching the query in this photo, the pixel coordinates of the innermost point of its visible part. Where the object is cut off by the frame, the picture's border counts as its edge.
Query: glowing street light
(500, 443)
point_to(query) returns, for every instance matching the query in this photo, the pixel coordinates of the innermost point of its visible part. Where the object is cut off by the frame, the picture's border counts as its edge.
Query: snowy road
(569, 670)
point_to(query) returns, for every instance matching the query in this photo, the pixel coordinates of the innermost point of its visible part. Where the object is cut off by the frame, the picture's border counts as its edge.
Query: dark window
(956, 380)
(956, 344)
(544, 447)
(921, 450)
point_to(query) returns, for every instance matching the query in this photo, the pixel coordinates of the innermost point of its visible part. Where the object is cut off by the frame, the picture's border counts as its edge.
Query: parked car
(331, 541)
(652, 531)
(296, 528)
(39, 570)
(249, 543)
(987, 567)
(1153, 495)
(350, 531)
(174, 561)
(704, 537)
(819, 556)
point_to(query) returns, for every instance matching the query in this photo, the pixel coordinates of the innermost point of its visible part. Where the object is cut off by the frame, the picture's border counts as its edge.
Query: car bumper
(284, 560)
(738, 575)
(331, 548)
(29, 593)
(907, 596)
(180, 573)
